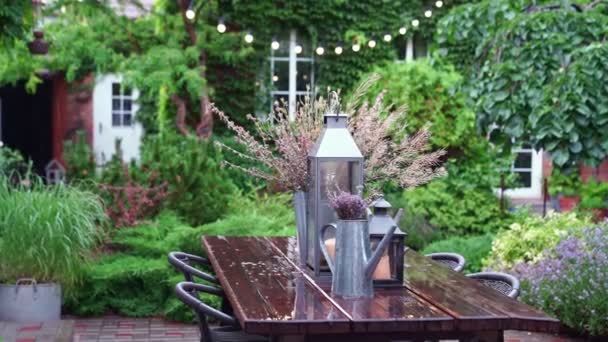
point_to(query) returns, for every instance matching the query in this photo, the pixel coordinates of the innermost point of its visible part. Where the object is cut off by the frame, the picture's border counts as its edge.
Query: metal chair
(182, 262)
(502, 282)
(229, 332)
(454, 261)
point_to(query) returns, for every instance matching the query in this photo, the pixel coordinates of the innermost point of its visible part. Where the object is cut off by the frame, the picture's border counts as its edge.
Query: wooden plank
(475, 306)
(268, 294)
(391, 310)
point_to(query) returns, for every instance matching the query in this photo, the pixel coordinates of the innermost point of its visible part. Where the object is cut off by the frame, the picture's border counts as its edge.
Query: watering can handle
(330, 262)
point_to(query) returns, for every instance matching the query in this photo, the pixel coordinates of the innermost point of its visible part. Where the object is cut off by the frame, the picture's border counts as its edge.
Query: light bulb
(356, 47)
(387, 37)
(338, 50)
(428, 13)
(415, 22)
(439, 4)
(63, 9)
(320, 50)
(371, 43)
(221, 27)
(190, 13)
(402, 30)
(275, 78)
(298, 49)
(248, 38)
(275, 45)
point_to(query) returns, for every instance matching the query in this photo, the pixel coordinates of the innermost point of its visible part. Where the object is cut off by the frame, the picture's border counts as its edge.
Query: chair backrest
(187, 293)
(502, 282)
(181, 261)
(453, 260)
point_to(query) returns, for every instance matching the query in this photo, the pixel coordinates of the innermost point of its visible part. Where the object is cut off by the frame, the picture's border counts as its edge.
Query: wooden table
(272, 296)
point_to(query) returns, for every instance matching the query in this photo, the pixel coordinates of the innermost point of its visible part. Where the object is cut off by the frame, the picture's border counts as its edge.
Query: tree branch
(180, 117)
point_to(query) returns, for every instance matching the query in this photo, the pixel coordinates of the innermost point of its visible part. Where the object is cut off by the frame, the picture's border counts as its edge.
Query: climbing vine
(529, 76)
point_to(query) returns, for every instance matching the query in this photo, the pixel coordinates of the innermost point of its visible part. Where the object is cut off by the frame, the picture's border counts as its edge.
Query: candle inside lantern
(383, 270)
(330, 244)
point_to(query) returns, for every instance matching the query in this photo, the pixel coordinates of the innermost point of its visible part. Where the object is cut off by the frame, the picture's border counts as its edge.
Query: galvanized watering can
(354, 263)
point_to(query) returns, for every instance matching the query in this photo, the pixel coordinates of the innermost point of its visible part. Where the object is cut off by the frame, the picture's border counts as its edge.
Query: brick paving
(119, 329)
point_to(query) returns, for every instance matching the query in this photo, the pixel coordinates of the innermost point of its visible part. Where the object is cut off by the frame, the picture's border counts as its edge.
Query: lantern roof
(335, 140)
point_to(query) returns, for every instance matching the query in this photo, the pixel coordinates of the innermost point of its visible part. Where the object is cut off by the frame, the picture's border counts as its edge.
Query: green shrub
(138, 280)
(79, 158)
(47, 232)
(529, 236)
(12, 163)
(474, 249)
(431, 95)
(199, 188)
(454, 209)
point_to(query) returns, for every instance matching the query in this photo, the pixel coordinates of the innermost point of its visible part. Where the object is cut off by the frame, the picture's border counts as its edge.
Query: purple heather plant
(571, 282)
(347, 205)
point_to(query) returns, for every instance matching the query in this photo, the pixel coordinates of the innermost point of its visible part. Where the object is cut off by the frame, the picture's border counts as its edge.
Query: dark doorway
(27, 122)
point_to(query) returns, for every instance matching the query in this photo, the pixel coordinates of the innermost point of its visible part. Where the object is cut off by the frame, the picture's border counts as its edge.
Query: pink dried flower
(347, 205)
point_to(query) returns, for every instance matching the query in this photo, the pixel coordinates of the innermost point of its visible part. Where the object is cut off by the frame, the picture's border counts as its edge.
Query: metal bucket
(27, 301)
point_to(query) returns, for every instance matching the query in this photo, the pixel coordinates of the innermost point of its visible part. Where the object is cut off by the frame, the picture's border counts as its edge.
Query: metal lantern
(334, 162)
(389, 271)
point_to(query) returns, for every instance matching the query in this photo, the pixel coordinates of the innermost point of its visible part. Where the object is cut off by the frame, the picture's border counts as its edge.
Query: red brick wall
(72, 111)
(600, 173)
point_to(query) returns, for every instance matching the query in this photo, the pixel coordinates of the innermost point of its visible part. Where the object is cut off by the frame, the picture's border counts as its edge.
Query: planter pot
(567, 203)
(30, 302)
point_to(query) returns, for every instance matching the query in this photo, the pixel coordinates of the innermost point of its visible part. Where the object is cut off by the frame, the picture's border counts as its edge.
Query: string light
(371, 43)
(338, 50)
(439, 4)
(402, 30)
(320, 51)
(190, 14)
(298, 49)
(387, 37)
(356, 47)
(275, 78)
(248, 38)
(428, 13)
(275, 44)
(221, 27)
(63, 9)
(415, 22)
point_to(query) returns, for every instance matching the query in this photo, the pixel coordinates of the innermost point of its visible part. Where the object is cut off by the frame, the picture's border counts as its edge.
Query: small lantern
(335, 160)
(389, 271)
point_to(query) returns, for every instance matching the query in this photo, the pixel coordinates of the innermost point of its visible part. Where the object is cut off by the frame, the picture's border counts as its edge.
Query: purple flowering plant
(347, 205)
(571, 281)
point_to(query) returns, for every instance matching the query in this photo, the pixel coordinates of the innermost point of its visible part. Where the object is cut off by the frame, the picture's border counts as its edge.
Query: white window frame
(293, 59)
(534, 191)
(122, 112)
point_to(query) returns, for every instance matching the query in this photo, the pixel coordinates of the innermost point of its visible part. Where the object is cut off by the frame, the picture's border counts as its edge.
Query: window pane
(523, 160)
(280, 78)
(420, 46)
(115, 119)
(127, 91)
(337, 175)
(126, 105)
(115, 104)
(115, 88)
(303, 76)
(400, 44)
(126, 120)
(283, 50)
(524, 179)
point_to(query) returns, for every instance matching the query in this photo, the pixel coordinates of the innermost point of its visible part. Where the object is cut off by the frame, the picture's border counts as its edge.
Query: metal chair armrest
(185, 292)
(179, 261)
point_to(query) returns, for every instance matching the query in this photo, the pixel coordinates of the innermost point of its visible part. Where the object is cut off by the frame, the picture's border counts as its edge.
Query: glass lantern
(334, 162)
(389, 271)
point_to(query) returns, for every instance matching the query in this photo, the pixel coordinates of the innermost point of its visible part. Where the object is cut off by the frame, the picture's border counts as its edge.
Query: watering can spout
(382, 246)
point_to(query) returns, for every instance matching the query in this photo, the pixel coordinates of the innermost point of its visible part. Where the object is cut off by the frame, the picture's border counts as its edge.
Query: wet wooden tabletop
(271, 295)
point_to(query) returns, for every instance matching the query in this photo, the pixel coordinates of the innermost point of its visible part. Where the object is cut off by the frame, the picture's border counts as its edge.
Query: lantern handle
(334, 104)
(330, 262)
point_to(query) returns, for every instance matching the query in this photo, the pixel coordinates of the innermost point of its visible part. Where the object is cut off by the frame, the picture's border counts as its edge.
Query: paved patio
(114, 328)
